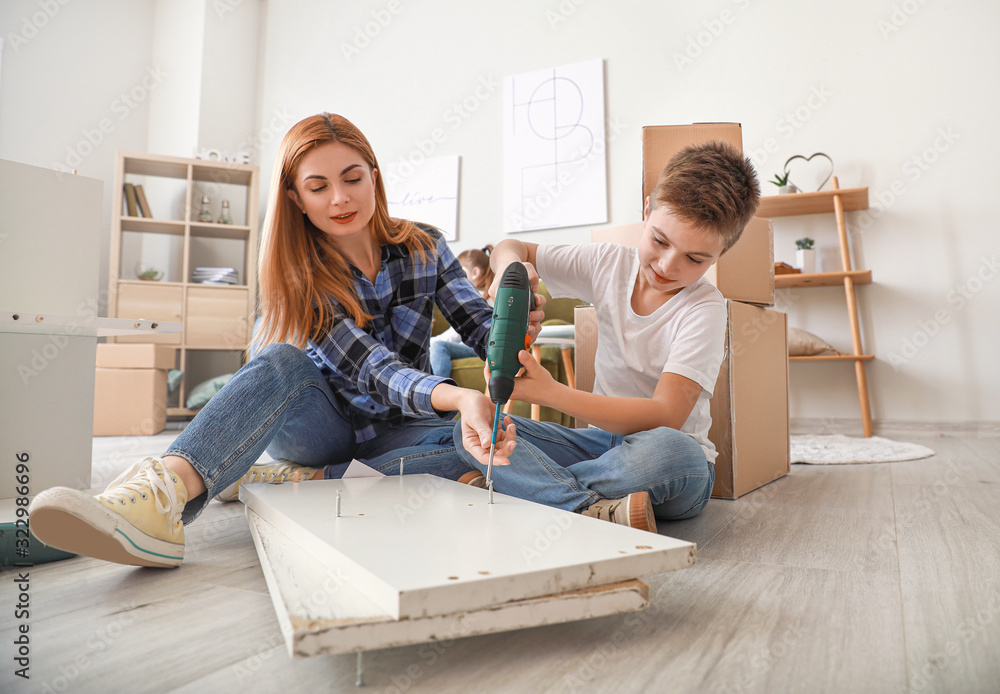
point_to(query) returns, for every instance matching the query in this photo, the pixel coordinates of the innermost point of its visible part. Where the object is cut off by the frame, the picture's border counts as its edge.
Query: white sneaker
(136, 520)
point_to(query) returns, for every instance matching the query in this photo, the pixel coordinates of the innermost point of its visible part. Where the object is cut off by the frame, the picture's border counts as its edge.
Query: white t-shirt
(685, 336)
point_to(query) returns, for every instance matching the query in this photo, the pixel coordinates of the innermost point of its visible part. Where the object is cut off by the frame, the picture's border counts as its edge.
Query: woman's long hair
(300, 268)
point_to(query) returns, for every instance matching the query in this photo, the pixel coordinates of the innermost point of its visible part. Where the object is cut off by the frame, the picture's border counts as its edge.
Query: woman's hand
(477, 429)
(535, 384)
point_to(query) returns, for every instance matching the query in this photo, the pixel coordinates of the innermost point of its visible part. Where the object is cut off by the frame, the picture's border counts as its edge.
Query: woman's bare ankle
(191, 478)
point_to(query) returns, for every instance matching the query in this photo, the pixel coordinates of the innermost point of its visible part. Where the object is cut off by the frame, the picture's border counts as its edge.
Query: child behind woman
(448, 345)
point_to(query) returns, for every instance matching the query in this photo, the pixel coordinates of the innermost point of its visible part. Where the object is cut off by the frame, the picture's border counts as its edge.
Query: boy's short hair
(712, 186)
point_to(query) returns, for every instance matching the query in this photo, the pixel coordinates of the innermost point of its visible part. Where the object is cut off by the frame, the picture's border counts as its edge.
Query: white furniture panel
(418, 546)
(320, 613)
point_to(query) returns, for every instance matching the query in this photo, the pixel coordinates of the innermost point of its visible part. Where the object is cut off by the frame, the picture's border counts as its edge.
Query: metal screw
(338, 503)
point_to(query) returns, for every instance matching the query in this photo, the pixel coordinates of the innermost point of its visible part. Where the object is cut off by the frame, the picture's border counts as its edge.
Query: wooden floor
(845, 579)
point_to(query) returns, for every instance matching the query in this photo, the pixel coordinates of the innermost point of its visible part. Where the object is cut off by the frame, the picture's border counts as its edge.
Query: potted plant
(149, 274)
(805, 255)
(784, 187)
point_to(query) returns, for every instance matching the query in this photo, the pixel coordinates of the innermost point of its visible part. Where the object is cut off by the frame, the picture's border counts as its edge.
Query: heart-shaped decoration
(813, 172)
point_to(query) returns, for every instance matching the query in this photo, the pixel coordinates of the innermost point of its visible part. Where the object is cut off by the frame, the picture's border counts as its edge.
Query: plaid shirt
(382, 372)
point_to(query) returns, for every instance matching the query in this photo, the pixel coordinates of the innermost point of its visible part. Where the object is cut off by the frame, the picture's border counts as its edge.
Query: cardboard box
(744, 273)
(660, 142)
(130, 402)
(750, 402)
(136, 356)
(749, 405)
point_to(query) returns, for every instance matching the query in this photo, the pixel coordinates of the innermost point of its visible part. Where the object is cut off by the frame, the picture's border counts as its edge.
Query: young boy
(661, 337)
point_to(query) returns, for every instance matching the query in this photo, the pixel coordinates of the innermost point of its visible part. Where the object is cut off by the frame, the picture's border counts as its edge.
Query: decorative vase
(224, 218)
(206, 214)
(805, 259)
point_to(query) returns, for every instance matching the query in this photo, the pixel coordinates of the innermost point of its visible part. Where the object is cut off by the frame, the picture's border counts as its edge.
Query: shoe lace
(145, 478)
(277, 472)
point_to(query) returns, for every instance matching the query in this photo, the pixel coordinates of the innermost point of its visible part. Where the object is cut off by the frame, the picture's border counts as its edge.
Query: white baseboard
(852, 427)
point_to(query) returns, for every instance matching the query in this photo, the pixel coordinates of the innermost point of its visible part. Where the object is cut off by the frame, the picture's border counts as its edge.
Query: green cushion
(203, 392)
(174, 377)
(468, 373)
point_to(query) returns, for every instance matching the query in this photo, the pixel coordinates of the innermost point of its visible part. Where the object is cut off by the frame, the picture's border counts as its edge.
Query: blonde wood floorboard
(958, 461)
(819, 516)
(833, 579)
(705, 526)
(949, 554)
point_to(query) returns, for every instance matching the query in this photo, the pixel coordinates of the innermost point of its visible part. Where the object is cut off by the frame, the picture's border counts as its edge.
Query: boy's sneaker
(136, 520)
(634, 510)
(474, 479)
(272, 472)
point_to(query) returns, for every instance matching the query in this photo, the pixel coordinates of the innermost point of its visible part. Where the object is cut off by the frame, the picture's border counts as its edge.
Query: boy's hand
(535, 384)
(536, 317)
(477, 431)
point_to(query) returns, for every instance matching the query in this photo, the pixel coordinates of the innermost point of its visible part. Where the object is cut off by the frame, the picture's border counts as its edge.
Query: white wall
(65, 93)
(873, 84)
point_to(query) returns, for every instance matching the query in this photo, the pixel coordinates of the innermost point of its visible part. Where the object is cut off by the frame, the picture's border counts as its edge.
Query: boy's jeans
(280, 402)
(573, 468)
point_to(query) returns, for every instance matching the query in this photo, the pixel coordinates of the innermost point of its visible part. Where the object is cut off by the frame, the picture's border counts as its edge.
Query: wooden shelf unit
(813, 203)
(837, 201)
(834, 357)
(822, 279)
(216, 318)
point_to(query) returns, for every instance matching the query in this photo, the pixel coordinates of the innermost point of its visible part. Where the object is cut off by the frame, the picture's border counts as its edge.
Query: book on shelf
(131, 201)
(143, 205)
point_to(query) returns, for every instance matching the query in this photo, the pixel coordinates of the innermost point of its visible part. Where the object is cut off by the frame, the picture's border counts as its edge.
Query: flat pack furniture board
(417, 558)
(320, 613)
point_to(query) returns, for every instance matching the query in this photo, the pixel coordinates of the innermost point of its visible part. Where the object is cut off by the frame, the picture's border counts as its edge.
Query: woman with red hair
(340, 368)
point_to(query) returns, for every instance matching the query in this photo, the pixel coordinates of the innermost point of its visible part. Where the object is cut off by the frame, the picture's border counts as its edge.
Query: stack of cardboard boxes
(130, 389)
(750, 402)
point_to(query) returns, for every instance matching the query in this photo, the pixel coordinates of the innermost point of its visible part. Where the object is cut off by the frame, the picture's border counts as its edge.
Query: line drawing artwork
(426, 193)
(554, 155)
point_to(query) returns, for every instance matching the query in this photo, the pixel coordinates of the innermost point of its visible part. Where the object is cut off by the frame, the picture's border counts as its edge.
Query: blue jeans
(280, 402)
(442, 353)
(572, 468)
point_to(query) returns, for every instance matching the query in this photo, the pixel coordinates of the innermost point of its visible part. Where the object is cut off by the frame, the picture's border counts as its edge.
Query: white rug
(835, 449)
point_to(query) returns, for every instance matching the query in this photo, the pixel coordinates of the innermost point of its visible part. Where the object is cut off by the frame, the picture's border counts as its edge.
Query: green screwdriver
(508, 336)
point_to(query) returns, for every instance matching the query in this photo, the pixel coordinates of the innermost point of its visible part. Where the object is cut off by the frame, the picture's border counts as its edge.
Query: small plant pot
(787, 190)
(806, 260)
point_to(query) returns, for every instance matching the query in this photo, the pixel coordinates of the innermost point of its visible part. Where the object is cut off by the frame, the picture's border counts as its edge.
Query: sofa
(468, 373)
